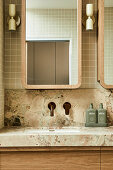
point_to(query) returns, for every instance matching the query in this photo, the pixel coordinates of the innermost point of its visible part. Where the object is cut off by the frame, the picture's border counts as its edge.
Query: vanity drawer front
(107, 160)
(55, 160)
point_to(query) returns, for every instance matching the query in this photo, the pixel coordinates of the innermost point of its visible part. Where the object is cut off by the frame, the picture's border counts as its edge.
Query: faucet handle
(67, 107)
(52, 107)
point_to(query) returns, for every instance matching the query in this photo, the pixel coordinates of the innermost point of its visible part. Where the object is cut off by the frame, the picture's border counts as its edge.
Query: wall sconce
(13, 20)
(89, 20)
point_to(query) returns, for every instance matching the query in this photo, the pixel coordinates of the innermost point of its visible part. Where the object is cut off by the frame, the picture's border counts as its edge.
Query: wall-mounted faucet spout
(51, 107)
(67, 107)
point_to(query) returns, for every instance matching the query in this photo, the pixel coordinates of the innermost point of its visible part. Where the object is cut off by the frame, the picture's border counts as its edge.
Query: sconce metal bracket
(17, 19)
(84, 18)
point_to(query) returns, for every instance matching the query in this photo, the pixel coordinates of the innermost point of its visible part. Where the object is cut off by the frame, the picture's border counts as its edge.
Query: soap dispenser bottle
(91, 117)
(102, 116)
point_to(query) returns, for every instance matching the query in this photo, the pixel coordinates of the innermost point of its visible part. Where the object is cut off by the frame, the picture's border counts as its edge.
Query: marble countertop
(78, 136)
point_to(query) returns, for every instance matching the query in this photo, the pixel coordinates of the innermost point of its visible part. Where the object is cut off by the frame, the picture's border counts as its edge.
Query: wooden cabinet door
(107, 159)
(57, 160)
(62, 63)
(41, 63)
(48, 63)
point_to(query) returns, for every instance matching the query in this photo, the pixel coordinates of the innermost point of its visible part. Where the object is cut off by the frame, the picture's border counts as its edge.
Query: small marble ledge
(78, 136)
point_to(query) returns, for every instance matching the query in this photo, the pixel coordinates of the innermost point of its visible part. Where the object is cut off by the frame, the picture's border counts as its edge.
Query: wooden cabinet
(107, 158)
(58, 159)
(48, 63)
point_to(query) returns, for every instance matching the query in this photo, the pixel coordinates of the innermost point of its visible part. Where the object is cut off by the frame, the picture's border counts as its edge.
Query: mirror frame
(24, 61)
(101, 45)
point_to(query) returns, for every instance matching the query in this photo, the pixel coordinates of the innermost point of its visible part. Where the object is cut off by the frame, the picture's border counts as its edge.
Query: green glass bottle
(102, 115)
(91, 117)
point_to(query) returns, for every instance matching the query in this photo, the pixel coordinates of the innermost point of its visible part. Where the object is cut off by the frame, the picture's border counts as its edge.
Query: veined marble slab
(78, 136)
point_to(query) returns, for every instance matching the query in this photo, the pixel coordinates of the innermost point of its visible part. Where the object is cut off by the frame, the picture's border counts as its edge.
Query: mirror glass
(51, 37)
(108, 42)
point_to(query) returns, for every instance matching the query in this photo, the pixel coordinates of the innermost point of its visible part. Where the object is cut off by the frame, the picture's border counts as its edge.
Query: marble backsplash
(29, 108)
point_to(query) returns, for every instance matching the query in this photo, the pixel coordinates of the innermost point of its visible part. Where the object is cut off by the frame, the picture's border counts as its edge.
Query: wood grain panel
(62, 63)
(30, 66)
(101, 45)
(106, 148)
(43, 59)
(44, 63)
(51, 149)
(106, 160)
(79, 160)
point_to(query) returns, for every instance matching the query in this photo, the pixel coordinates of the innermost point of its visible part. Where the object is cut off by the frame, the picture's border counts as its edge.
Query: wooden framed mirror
(51, 44)
(105, 43)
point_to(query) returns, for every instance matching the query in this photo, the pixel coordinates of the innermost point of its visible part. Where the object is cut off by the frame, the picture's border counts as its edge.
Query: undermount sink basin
(53, 131)
(56, 131)
(67, 131)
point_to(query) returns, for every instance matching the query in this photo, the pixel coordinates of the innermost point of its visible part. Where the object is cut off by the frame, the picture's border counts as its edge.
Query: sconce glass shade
(12, 10)
(89, 13)
(12, 24)
(89, 10)
(89, 24)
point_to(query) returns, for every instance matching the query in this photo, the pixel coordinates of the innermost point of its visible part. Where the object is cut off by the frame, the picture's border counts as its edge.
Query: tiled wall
(1, 67)
(30, 107)
(55, 24)
(108, 44)
(89, 52)
(12, 58)
(12, 72)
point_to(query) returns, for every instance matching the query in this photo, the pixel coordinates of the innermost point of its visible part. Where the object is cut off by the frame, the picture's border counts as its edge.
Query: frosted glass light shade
(12, 10)
(89, 24)
(12, 24)
(89, 10)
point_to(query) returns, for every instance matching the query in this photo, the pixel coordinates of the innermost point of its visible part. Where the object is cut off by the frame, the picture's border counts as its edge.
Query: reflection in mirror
(51, 35)
(108, 42)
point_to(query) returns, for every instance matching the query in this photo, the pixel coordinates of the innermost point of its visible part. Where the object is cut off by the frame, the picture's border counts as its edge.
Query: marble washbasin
(57, 131)
(68, 136)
